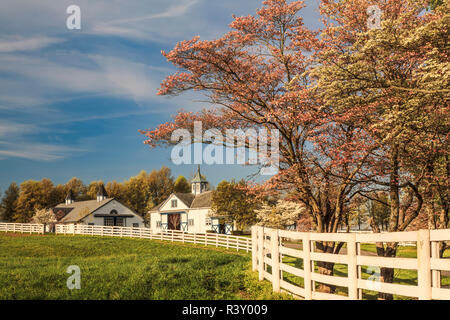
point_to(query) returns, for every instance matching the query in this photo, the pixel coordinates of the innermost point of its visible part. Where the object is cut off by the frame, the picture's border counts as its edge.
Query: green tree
(181, 185)
(78, 188)
(116, 190)
(138, 192)
(9, 201)
(161, 185)
(231, 200)
(33, 195)
(93, 188)
(58, 194)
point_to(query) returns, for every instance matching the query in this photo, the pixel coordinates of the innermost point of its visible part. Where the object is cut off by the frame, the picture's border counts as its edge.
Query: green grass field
(34, 267)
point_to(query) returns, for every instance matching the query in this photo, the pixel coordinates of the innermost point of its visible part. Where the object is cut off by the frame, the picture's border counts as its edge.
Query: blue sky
(72, 101)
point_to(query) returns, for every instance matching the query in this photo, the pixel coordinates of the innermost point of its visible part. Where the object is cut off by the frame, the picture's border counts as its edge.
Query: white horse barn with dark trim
(189, 212)
(103, 211)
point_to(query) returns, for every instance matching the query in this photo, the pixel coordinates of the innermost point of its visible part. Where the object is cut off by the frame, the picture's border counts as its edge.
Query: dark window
(114, 211)
(135, 225)
(158, 224)
(109, 221)
(114, 221)
(191, 222)
(174, 203)
(120, 222)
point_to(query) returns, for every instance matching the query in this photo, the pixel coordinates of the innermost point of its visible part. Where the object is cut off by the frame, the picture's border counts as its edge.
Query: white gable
(167, 205)
(105, 210)
(114, 205)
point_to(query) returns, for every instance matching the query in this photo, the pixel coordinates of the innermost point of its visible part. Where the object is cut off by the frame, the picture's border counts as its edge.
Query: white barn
(103, 211)
(189, 212)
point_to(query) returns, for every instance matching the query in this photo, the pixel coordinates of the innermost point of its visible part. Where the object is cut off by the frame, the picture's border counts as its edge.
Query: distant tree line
(140, 193)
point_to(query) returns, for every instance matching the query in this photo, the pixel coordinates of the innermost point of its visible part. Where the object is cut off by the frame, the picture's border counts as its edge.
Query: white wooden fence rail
(207, 239)
(22, 227)
(269, 248)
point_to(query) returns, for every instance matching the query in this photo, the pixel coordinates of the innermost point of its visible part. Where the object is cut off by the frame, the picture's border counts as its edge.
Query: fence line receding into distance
(22, 227)
(207, 239)
(271, 247)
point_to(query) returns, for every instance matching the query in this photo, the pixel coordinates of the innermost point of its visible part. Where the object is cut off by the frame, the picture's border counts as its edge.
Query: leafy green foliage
(231, 200)
(181, 185)
(8, 204)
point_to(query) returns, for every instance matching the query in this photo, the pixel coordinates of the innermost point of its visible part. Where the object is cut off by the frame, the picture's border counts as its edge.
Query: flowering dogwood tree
(44, 216)
(281, 215)
(358, 110)
(393, 83)
(255, 77)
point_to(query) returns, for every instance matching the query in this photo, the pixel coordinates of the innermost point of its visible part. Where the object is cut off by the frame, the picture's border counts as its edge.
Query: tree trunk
(325, 268)
(387, 276)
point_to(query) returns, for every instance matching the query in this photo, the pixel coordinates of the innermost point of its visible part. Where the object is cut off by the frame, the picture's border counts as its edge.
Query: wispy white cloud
(37, 151)
(139, 26)
(19, 43)
(102, 75)
(11, 128)
(173, 11)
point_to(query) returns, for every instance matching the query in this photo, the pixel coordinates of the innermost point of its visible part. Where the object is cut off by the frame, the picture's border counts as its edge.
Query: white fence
(22, 227)
(270, 250)
(211, 239)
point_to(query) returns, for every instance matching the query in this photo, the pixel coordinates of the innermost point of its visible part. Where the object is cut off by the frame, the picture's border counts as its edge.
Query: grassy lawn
(34, 267)
(401, 276)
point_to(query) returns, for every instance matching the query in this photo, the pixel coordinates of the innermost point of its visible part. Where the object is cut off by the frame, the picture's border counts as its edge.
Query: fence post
(217, 240)
(261, 253)
(275, 255)
(423, 264)
(352, 267)
(254, 248)
(436, 274)
(359, 275)
(307, 265)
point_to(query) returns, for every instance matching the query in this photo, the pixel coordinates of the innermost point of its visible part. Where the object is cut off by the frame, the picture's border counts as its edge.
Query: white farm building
(103, 211)
(189, 212)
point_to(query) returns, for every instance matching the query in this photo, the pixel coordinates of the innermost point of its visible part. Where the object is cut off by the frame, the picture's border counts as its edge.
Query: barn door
(174, 221)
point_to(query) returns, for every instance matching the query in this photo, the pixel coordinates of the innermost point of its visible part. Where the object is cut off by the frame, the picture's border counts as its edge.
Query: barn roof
(76, 211)
(202, 200)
